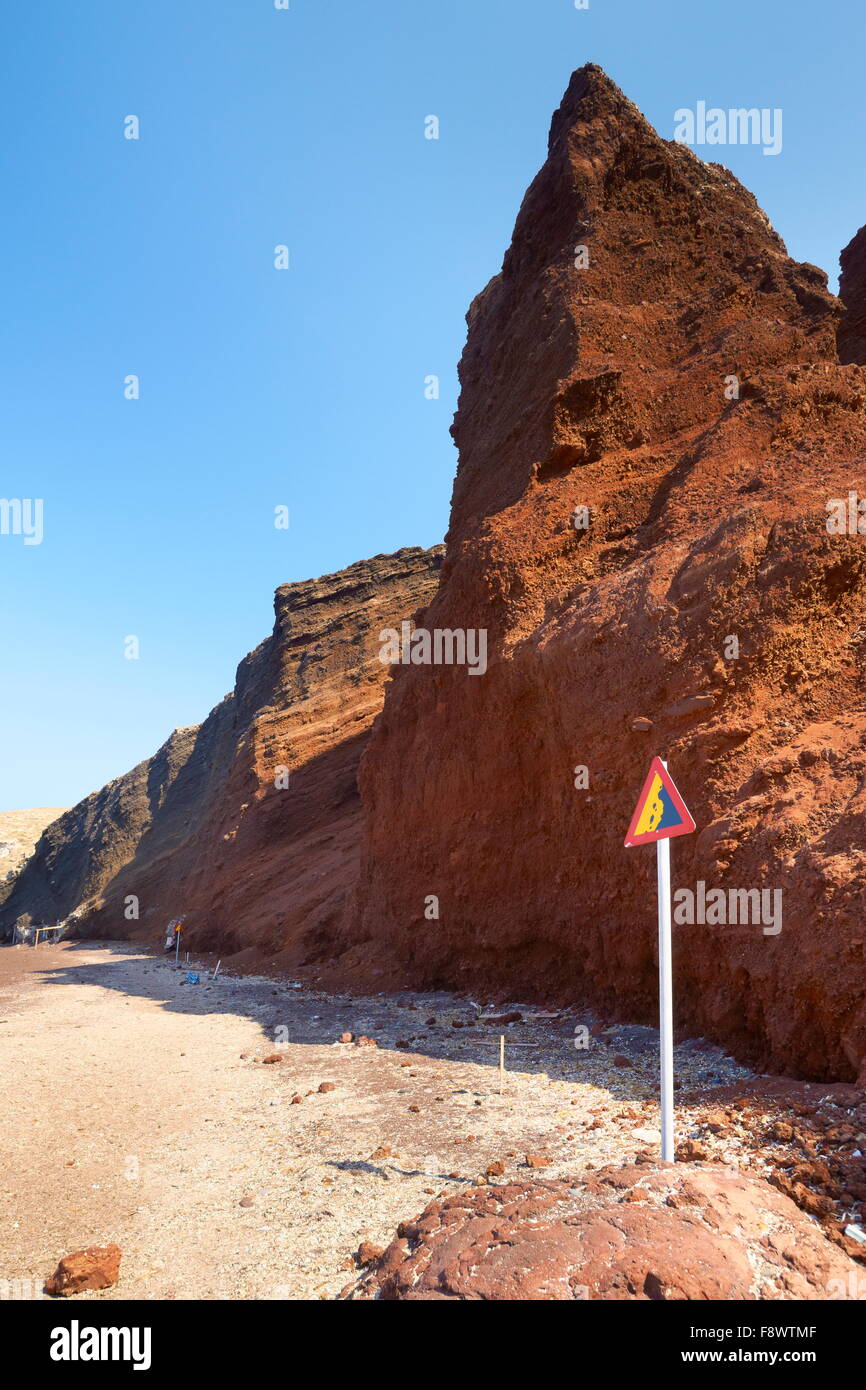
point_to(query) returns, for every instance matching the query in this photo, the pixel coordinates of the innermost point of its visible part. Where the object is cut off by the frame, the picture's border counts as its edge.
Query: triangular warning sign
(661, 812)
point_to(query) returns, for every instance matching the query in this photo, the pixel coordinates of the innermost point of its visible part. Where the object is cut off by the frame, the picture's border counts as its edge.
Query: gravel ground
(145, 1114)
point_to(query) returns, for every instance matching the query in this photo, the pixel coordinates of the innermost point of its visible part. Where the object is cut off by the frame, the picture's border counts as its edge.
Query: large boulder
(644, 1231)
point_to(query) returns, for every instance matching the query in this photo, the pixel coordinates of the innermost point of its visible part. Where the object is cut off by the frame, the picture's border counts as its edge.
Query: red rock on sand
(368, 1253)
(97, 1267)
(691, 1151)
(649, 1232)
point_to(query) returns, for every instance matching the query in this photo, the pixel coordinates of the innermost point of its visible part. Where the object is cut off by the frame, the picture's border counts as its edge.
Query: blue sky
(304, 387)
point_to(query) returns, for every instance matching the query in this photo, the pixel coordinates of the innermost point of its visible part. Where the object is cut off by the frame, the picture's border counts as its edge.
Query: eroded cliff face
(852, 292)
(249, 823)
(685, 387)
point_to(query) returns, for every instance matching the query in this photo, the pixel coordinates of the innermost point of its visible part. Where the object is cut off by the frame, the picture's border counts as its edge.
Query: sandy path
(131, 1116)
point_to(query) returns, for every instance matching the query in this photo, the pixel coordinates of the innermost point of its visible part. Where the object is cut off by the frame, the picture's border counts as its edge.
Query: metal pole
(666, 999)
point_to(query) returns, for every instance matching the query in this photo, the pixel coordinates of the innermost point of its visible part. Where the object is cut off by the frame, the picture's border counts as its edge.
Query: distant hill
(19, 834)
(248, 824)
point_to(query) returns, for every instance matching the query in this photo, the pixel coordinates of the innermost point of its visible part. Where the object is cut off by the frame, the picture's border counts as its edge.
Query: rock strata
(248, 824)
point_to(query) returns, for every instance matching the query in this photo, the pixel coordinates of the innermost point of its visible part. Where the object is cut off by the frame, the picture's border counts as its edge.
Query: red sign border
(650, 836)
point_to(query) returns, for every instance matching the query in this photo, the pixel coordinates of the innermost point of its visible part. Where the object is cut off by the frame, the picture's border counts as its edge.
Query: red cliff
(649, 352)
(248, 824)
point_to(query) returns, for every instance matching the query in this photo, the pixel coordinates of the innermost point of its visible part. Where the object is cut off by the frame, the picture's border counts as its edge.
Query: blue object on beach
(193, 977)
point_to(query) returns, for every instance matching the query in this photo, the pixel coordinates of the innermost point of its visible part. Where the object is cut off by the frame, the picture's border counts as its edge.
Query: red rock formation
(852, 292)
(97, 1267)
(642, 1232)
(201, 828)
(686, 388)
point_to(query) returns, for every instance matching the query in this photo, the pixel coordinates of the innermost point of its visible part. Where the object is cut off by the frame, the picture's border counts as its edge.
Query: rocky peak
(638, 279)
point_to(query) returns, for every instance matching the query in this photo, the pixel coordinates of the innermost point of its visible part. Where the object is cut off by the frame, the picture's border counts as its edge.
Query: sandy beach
(139, 1110)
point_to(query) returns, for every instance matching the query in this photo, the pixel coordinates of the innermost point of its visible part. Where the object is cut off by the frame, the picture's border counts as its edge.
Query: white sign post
(662, 814)
(666, 999)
